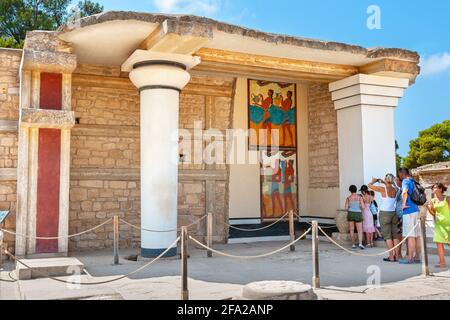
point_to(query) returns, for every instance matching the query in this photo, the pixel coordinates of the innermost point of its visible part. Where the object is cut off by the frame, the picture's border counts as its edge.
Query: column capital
(367, 90)
(152, 70)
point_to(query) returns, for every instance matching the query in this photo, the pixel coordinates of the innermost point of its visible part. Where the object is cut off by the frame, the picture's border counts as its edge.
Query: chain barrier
(249, 257)
(46, 275)
(258, 229)
(56, 238)
(370, 255)
(162, 231)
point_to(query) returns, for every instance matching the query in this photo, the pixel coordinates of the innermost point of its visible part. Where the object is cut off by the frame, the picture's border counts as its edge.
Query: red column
(47, 219)
(51, 91)
(49, 158)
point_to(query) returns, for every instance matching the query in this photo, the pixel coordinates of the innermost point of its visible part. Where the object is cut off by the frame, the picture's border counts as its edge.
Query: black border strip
(159, 87)
(159, 62)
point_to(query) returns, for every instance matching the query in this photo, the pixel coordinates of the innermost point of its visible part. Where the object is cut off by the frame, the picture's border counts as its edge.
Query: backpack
(418, 195)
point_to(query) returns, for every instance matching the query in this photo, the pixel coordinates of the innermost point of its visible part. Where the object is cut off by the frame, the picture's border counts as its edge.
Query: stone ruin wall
(323, 138)
(105, 156)
(9, 115)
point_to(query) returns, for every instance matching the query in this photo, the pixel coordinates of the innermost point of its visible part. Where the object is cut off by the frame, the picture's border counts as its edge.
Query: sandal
(389, 260)
(439, 266)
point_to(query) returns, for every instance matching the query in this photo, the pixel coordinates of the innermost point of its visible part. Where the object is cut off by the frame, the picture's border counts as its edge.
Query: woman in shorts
(354, 205)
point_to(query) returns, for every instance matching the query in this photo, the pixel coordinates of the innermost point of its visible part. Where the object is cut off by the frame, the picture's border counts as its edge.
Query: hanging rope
(370, 255)
(310, 224)
(56, 238)
(46, 275)
(249, 257)
(258, 229)
(162, 231)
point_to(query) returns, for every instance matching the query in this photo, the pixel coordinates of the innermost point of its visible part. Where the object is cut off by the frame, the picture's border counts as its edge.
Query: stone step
(54, 267)
(278, 290)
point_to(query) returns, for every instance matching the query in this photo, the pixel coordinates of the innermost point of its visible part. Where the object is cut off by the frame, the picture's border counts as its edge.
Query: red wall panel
(51, 91)
(47, 219)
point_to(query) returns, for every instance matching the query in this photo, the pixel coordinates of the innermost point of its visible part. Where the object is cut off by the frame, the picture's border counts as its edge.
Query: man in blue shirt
(411, 216)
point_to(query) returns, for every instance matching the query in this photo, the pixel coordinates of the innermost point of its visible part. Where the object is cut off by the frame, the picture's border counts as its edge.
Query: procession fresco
(272, 114)
(278, 183)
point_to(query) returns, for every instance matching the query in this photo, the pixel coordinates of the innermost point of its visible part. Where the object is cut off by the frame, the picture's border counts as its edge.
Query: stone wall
(105, 156)
(9, 115)
(323, 138)
(433, 173)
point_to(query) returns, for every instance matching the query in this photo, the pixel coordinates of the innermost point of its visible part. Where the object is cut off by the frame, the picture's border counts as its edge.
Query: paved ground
(344, 275)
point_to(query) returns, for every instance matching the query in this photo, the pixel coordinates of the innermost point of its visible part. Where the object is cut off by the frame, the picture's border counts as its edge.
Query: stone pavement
(344, 276)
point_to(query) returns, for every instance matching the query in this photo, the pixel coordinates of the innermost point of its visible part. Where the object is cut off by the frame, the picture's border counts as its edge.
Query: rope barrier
(249, 257)
(56, 238)
(162, 231)
(46, 275)
(258, 229)
(147, 230)
(310, 224)
(370, 255)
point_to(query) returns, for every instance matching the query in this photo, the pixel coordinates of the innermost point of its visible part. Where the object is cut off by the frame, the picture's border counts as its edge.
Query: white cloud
(244, 15)
(199, 7)
(436, 63)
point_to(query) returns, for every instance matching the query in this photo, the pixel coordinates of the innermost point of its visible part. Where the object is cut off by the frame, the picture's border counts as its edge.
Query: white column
(365, 107)
(159, 79)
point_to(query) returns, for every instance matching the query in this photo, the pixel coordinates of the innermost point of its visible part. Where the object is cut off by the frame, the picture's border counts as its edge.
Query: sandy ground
(343, 276)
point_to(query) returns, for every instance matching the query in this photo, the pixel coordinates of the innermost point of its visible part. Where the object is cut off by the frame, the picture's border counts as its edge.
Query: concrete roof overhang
(111, 37)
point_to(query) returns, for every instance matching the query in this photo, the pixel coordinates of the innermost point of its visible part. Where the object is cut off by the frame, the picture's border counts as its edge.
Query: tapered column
(159, 79)
(365, 107)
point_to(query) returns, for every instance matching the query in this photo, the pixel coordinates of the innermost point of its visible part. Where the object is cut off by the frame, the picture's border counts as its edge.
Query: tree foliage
(87, 8)
(19, 16)
(432, 146)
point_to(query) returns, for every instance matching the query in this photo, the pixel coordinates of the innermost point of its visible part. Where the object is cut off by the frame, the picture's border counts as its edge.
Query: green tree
(432, 146)
(19, 16)
(87, 8)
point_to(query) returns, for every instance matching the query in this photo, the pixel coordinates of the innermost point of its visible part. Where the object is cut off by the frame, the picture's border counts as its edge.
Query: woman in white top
(388, 216)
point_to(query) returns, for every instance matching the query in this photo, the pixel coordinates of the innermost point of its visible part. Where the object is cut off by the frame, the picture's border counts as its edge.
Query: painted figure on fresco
(265, 104)
(289, 180)
(278, 183)
(272, 107)
(275, 188)
(287, 106)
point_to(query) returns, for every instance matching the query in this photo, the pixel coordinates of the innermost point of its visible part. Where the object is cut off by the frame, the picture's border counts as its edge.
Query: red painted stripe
(47, 219)
(51, 91)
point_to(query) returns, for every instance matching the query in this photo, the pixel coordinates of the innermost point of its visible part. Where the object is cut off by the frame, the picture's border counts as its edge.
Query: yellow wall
(244, 179)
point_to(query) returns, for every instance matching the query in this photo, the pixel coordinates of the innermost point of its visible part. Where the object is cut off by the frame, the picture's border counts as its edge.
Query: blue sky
(423, 26)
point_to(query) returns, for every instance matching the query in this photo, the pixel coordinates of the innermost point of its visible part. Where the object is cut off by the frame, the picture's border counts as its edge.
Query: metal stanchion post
(315, 252)
(292, 230)
(209, 234)
(184, 264)
(116, 240)
(425, 266)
